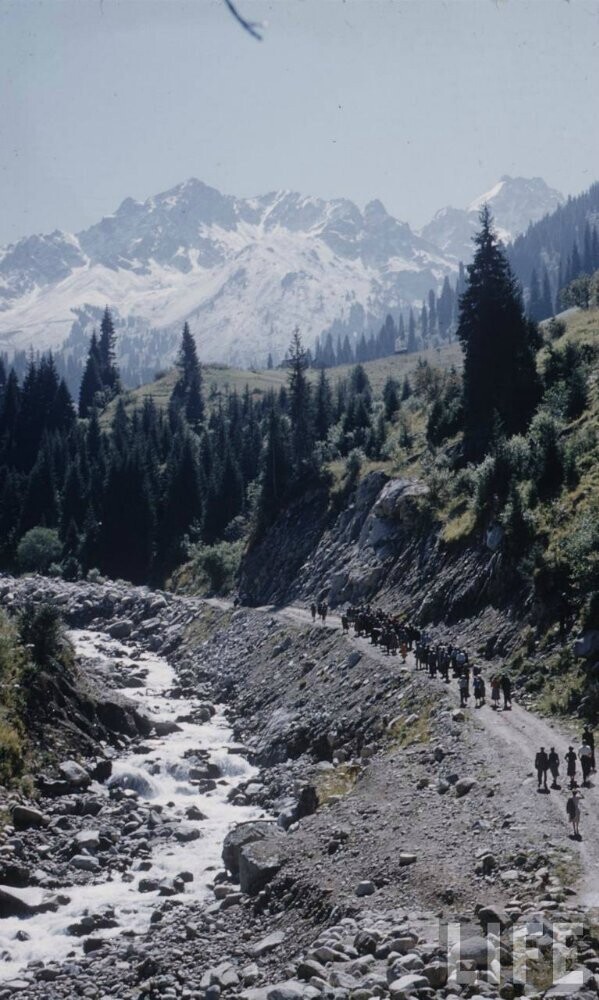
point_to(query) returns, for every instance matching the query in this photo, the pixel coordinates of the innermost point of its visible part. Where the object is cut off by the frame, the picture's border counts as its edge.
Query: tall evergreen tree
(323, 414)
(109, 373)
(500, 377)
(300, 405)
(187, 396)
(91, 382)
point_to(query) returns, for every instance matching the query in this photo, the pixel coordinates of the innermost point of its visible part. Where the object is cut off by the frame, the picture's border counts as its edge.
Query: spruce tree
(187, 397)
(500, 378)
(109, 373)
(412, 343)
(323, 415)
(91, 382)
(300, 406)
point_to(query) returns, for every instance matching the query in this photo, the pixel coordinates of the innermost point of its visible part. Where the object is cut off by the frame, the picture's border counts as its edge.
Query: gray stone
(85, 863)
(407, 985)
(121, 629)
(463, 786)
(365, 888)
(25, 817)
(76, 775)
(268, 944)
(259, 862)
(478, 950)
(244, 833)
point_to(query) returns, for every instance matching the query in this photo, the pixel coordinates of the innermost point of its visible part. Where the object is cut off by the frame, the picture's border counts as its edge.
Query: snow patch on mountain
(243, 273)
(515, 202)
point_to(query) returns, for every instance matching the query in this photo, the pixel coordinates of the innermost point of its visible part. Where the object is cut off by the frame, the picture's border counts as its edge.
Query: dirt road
(511, 739)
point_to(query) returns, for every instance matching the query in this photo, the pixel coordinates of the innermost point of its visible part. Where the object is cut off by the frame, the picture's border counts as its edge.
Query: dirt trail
(516, 736)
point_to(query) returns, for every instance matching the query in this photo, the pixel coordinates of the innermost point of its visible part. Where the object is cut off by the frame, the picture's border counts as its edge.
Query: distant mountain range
(243, 272)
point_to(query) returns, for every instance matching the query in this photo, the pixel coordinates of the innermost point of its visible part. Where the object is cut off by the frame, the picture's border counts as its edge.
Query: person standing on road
(495, 691)
(479, 691)
(323, 611)
(313, 611)
(571, 766)
(589, 738)
(464, 692)
(585, 756)
(573, 811)
(506, 687)
(542, 766)
(553, 761)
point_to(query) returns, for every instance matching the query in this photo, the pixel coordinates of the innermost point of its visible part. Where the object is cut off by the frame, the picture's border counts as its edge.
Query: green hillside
(221, 379)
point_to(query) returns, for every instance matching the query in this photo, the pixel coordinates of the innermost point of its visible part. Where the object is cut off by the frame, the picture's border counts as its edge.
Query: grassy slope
(220, 379)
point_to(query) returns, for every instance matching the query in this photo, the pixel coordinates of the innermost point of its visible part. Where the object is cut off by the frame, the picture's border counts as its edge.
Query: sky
(420, 103)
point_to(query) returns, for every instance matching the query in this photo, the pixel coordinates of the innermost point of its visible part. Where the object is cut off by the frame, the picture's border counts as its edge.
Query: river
(161, 777)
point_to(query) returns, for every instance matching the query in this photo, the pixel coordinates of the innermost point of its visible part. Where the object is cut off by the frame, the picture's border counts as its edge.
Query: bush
(40, 631)
(38, 549)
(215, 567)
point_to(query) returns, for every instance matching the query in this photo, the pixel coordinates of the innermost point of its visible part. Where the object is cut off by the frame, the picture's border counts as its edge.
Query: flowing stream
(161, 777)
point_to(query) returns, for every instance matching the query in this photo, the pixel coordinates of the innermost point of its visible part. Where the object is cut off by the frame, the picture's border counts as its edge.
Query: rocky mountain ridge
(242, 272)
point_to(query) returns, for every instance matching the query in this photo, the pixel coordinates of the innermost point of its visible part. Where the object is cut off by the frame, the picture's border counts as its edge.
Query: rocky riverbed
(406, 827)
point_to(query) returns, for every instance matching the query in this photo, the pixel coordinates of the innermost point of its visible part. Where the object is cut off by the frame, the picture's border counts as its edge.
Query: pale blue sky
(420, 103)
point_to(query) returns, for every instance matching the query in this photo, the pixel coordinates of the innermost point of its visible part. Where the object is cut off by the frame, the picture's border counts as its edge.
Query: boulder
(463, 786)
(25, 817)
(365, 888)
(121, 629)
(491, 917)
(259, 862)
(478, 950)
(85, 863)
(407, 985)
(19, 902)
(587, 643)
(74, 774)
(268, 944)
(235, 840)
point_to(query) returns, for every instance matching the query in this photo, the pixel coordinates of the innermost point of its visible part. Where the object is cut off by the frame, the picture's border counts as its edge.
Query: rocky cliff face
(381, 548)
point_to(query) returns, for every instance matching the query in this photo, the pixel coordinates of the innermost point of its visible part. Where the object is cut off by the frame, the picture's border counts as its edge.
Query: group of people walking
(549, 764)
(397, 635)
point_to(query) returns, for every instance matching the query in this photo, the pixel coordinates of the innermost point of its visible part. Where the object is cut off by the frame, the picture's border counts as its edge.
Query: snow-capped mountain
(515, 202)
(243, 273)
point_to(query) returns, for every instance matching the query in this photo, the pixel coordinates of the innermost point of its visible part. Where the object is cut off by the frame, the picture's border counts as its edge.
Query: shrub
(38, 549)
(215, 567)
(40, 631)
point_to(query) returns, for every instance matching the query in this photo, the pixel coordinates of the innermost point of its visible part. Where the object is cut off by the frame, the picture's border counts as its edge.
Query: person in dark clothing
(553, 761)
(323, 611)
(464, 691)
(479, 691)
(589, 738)
(571, 766)
(542, 766)
(313, 611)
(506, 690)
(345, 624)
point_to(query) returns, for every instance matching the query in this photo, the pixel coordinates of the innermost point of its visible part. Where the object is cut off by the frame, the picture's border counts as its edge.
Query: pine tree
(424, 322)
(500, 378)
(187, 396)
(432, 313)
(300, 406)
(91, 382)
(269, 362)
(445, 308)
(412, 343)
(534, 301)
(391, 398)
(323, 415)
(109, 373)
(546, 297)
(275, 472)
